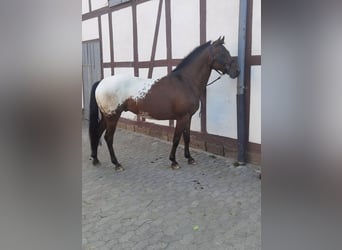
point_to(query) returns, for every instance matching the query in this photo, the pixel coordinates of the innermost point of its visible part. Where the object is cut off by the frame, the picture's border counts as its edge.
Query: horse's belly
(157, 114)
(167, 110)
(157, 107)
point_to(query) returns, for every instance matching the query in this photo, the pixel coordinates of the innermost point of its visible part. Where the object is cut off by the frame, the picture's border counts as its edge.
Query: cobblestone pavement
(211, 205)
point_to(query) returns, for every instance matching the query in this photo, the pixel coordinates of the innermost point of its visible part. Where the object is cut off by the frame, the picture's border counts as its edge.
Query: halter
(216, 78)
(211, 66)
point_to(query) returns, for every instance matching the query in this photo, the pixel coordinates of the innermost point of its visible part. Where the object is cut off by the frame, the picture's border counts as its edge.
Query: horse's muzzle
(232, 69)
(232, 73)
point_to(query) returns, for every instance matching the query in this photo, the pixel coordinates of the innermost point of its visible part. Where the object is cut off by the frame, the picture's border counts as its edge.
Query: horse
(175, 96)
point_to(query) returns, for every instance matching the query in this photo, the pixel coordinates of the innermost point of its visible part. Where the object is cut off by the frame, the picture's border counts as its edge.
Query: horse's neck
(198, 72)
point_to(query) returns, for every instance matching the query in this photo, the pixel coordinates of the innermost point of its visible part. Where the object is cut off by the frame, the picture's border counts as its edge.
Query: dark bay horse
(173, 97)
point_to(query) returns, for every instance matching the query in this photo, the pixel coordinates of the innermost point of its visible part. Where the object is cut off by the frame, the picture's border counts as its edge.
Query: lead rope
(216, 78)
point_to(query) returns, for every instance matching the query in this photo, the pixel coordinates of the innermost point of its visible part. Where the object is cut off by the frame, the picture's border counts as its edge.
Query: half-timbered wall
(148, 38)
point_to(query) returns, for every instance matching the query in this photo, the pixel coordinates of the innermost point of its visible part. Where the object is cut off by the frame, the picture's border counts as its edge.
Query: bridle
(218, 78)
(212, 64)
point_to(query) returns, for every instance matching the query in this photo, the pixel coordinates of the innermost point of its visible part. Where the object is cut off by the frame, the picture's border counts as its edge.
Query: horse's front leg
(180, 126)
(186, 137)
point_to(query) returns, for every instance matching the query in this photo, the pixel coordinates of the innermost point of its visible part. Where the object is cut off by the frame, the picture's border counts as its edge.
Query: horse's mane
(193, 54)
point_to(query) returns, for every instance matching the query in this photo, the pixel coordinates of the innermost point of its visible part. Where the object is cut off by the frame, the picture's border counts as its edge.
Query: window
(112, 3)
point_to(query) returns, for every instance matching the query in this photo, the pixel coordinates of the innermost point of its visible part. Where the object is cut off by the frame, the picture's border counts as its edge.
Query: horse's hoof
(191, 161)
(119, 168)
(175, 166)
(96, 162)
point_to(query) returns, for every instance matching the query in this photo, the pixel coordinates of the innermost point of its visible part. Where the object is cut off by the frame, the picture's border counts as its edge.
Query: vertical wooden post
(135, 45)
(168, 42)
(135, 38)
(155, 39)
(111, 42)
(100, 38)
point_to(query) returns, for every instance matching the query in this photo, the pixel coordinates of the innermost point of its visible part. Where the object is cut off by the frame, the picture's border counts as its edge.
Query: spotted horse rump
(113, 91)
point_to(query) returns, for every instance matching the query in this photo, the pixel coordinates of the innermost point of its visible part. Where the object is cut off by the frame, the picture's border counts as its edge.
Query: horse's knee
(175, 141)
(186, 135)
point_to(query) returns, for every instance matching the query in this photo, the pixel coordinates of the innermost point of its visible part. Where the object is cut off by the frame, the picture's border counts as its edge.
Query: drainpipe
(240, 96)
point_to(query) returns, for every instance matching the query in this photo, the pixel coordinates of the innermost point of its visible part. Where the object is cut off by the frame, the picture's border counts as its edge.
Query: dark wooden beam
(168, 42)
(135, 38)
(110, 23)
(155, 39)
(100, 38)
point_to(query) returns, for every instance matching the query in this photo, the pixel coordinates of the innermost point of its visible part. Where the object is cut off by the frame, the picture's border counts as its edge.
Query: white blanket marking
(114, 90)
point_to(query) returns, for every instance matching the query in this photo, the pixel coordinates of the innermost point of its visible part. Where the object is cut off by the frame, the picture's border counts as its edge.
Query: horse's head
(222, 60)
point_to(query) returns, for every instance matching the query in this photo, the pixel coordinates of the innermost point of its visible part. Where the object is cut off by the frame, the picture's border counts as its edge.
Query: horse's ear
(219, 41)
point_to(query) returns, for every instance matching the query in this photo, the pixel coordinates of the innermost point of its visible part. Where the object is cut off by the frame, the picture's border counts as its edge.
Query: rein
(211, 66)
(216, 78)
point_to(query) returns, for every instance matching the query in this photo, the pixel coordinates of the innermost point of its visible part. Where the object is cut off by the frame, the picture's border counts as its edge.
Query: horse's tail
(93, 118)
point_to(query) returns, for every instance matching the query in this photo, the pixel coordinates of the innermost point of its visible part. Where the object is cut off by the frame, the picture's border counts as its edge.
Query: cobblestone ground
(211, 205)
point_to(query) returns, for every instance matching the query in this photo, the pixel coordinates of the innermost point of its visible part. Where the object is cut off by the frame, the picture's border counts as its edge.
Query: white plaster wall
(144, 72)
(196, 121)
(255, 101)
(158, 72)
(184, 26)
(256, 28)
(129, 115)
(223, 20)
(122, 70)
(161, 42)
(221, 106)
(123, 34)
(107, 72)
(90, 29)
(85, 6)
(255, 106)
(146, 21)
(97, 4)
(105, 38)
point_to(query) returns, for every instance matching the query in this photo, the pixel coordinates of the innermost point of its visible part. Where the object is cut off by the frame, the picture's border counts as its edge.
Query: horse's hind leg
(111, 123)
(102, 127)
(186, 137)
